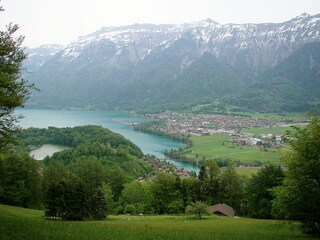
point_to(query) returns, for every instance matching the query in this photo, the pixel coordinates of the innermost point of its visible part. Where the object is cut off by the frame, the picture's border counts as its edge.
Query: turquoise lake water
(115, 121)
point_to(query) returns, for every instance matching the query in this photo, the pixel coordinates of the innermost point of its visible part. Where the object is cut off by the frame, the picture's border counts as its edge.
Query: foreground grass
(18, 223)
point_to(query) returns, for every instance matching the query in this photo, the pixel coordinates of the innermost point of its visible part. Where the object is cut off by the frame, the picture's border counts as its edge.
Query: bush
(130, 209)
(198, 209)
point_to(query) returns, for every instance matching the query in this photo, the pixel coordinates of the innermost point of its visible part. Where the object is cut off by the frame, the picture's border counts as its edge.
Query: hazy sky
(62, 21)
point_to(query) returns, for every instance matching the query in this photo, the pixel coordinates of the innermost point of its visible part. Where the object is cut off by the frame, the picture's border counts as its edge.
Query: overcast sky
(62, 21)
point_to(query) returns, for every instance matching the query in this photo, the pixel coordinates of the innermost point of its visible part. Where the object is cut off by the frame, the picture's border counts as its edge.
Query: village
(208, 124)
(241, 132)
(173, 123)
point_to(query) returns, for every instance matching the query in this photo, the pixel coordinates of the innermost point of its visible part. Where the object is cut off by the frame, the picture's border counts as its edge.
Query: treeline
(88, 189)
(99, 175)
(20, 180)
(73, 183)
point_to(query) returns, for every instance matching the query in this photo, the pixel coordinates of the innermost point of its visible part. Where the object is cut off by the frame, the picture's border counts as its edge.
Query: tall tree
(259, 192)
(299, 197)
(231, 191)
(137, 194)
(20, 181)
(167, 198)
(14, 91)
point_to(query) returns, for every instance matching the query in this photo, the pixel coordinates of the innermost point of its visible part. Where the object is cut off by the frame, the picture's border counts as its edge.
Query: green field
(247, 171)
(274, 130)
(212, 147)
(18, 223)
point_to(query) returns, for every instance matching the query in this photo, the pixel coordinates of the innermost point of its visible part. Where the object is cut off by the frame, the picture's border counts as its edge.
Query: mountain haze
(145, 66)
(292, 85)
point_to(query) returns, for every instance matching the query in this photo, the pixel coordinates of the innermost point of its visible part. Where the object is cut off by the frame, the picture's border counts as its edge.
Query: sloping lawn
(18, 223)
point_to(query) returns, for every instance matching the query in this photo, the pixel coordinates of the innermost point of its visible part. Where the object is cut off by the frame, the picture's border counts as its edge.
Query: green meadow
(215, 147)
(247, 171)
(18, 223)
(274, 130)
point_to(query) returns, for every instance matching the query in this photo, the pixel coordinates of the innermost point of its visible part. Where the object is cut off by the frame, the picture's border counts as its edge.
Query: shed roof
(222, 209)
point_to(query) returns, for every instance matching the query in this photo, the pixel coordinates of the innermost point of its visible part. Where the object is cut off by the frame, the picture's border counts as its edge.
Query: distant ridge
(158, 67)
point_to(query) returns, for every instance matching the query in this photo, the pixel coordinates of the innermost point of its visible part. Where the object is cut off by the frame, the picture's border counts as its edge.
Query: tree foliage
(259, 191)
(138, 195)
(299, 198)
(14, 91)
(198, 209)
(76, 195)
(20, 182)
(88, 142)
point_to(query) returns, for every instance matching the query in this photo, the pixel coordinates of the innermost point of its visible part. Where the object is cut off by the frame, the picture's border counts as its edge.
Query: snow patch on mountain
(142, 39)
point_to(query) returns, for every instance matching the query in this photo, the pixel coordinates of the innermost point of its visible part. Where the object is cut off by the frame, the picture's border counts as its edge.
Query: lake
(46, 150)
(115, 121)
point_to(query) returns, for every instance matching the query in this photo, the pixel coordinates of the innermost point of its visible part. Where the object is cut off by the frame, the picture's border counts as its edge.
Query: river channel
(115, 121)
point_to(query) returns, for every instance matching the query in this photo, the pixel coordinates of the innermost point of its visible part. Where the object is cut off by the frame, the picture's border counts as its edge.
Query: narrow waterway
(115, 121)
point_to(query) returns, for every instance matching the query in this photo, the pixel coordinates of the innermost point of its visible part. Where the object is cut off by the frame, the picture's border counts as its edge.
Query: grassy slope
(212, 147)
(18, 223)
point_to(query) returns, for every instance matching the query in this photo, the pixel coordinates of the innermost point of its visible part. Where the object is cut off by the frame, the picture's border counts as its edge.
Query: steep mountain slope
(292, 85)
(167, 65)
(38, 56)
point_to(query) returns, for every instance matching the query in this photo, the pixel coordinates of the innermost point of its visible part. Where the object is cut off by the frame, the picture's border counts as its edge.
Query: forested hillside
(292, 85)
(88, 142)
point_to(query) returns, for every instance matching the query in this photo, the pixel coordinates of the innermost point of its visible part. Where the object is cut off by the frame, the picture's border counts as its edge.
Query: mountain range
(266, 67)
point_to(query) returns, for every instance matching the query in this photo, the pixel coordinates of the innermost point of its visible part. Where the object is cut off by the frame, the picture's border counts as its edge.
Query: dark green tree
(20, 181)
(189, 190)
(77, 201)
(116, 178)
(75, 193)
(167, 198)
(137, 194)
(213, 182)
(209, 182)
(55, 200)
(231, 191)
(298, 198)
(14, 91)
(202, 186)
(99, 207)
(53, 173)
(259, 190)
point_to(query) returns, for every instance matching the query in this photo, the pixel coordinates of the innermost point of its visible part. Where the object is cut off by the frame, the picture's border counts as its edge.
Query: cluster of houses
(163, 166)
(207, 124)
(273, 140)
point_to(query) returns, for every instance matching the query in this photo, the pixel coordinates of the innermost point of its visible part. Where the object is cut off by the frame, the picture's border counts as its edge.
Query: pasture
(18, 223)
(215, 147)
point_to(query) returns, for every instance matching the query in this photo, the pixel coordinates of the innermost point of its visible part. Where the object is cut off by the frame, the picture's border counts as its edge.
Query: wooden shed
(222, 209)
